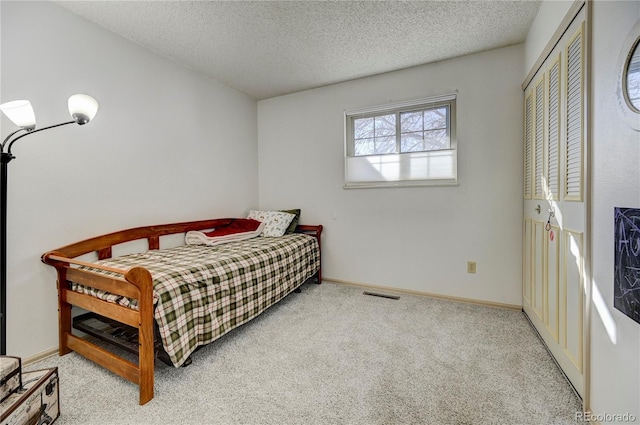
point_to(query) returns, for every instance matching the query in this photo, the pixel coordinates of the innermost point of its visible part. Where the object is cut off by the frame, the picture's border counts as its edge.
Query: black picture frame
(626, 281)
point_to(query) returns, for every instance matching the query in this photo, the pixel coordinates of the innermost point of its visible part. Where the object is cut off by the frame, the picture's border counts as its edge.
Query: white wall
(615, 364)
(410, 238)
(615, 182)
(167, 145)
(548, 19)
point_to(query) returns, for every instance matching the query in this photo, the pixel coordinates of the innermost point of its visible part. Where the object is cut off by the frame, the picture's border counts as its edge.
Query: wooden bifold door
(553, 293)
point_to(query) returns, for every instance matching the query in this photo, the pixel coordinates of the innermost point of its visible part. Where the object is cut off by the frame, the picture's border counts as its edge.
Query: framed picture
(627, 262)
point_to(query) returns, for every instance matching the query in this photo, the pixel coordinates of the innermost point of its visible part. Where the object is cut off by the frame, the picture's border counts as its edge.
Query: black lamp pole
(5, 158)
(82, 109)
(3, 254)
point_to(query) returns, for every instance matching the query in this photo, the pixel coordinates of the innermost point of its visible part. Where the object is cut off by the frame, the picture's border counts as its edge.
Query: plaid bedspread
(203, 292)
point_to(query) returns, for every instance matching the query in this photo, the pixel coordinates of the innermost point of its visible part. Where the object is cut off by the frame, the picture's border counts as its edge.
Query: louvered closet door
(554, 171)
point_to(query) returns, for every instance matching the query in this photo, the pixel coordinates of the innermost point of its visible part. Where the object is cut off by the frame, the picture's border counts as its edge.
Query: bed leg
(64, 313)
(319, 276)
(64, 328)
(146, 359)
(142, 279)
(146, 383)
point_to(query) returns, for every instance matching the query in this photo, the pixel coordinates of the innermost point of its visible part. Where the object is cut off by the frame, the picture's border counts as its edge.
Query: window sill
(392, 184)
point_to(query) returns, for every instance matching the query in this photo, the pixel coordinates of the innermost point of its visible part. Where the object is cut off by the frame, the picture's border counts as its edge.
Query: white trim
(425, 294)
(401, 105)
(436, 167)
(40, 356)
(417, 183)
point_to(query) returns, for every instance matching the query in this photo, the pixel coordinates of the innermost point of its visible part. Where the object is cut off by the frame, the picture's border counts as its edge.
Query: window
(405, 144)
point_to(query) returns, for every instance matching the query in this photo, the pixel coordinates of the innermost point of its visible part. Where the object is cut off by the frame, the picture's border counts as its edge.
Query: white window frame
(423, 168)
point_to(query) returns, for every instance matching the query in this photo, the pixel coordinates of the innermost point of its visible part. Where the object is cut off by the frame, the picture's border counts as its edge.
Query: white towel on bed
(194, 237)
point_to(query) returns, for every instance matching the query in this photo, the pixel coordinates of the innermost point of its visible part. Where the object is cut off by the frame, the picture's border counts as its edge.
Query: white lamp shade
(21, 113)
(82, 108)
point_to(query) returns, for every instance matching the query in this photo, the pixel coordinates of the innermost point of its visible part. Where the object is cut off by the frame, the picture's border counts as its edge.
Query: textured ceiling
(271, 48)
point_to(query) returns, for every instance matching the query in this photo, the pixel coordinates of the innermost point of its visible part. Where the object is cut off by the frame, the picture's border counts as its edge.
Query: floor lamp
(82, 109)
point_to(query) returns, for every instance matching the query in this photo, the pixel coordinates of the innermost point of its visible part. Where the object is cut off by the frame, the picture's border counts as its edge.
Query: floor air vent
(375, 294)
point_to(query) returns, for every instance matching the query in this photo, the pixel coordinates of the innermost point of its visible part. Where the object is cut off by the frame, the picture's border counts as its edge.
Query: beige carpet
(331, 355)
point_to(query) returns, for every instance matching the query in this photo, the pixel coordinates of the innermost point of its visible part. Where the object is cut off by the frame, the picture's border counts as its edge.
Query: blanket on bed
(203, 292)
(238, 230)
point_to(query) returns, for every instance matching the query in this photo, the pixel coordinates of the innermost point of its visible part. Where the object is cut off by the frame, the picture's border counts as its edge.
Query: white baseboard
(425, 294)
(40, 356)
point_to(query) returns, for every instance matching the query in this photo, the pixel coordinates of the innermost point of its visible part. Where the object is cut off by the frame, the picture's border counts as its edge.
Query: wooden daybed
(128, 294)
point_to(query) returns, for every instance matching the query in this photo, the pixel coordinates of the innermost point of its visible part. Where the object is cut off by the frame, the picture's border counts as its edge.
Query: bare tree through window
(375, 135)
(419, 131)
(424, 130)
(408, 143)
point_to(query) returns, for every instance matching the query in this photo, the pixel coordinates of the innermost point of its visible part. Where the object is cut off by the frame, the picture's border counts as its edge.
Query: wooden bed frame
(135, 283)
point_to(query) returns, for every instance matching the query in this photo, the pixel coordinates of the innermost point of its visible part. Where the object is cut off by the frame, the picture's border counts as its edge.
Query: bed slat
(104, 253)
(107, 309)
(154, 242)
(114, 363)
(109, 284)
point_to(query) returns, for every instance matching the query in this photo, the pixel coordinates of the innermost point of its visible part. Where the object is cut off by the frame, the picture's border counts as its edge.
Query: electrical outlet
(471, 266)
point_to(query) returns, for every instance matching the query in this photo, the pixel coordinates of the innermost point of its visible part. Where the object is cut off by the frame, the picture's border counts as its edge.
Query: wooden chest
(10, 376)
(37, 402)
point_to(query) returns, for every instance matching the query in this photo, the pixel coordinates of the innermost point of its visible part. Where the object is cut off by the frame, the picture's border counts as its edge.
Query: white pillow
(275, 222)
